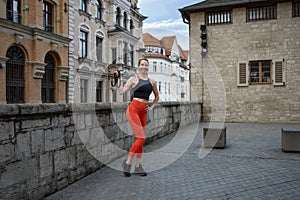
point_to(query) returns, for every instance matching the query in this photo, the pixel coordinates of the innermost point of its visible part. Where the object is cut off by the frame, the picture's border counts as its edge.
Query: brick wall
(45, 147)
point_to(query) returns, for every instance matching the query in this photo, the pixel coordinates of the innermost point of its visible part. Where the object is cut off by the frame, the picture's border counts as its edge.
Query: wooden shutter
(242, 74)
(278, 73)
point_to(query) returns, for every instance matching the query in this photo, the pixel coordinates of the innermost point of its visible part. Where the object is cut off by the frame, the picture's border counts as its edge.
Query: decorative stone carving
(63, 73)
(3, 62)
(18, 38)
(54, 46)
(38, 69)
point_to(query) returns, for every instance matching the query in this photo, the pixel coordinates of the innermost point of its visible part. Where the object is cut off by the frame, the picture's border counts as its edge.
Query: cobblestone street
(252, 166)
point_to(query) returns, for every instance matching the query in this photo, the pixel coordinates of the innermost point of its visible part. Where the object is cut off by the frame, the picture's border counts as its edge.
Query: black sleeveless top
(142, 89)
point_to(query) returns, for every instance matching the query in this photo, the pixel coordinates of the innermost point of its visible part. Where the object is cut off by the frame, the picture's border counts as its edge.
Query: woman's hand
(148, 108)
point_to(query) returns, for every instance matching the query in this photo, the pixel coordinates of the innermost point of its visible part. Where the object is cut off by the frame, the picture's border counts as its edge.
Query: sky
(164, 19)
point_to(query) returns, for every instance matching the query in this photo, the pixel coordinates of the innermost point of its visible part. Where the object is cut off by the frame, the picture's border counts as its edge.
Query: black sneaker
(126, 169)
(140, 171)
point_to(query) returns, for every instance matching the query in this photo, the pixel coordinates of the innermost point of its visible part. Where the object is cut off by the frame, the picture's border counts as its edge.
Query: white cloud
(169, 23)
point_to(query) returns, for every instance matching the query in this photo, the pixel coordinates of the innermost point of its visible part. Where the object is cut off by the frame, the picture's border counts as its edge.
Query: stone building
(106, 35)
(168, 67)
(34, 51)
(245, 59)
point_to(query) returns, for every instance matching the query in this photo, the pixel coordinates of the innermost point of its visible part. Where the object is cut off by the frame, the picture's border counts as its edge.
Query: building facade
(34, 51)
(168, 67)
(245, 59)
(106, 36)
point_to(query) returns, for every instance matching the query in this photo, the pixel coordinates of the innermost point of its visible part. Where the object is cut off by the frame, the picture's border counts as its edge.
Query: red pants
(136, 116)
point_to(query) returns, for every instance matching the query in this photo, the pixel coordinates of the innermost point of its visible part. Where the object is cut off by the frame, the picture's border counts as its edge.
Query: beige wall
(35, 43)
(238, 42)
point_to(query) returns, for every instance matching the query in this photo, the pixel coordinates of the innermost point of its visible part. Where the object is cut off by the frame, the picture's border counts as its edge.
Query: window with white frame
(131, 26)
(114, 95)
(125, 20)
(114, 55)
(159, 87)
(261, 72)
(83, 90)
(99, 49)
(118, 17)
(99, 10)
(131, 56)
(83, 5)
(13, 10)
(216, 18)
(83, 38)
(125, 55)
(99, 91)
(154, 66)
(166, 89)
(48, 16)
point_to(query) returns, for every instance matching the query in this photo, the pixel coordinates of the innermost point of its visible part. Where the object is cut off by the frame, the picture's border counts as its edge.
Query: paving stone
(252, 166)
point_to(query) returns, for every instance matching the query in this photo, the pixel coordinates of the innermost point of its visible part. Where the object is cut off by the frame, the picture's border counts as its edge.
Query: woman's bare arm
(127, 86)
(156, 95)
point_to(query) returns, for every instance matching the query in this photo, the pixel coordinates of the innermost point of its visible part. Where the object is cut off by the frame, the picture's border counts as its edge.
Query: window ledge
(100, 21)
(81, 12)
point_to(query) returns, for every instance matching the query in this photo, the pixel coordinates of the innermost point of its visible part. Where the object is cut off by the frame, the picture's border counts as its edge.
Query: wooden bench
(214, 137)
(290, 140)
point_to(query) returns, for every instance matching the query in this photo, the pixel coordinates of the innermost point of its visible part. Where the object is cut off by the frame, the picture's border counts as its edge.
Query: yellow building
(34, 51)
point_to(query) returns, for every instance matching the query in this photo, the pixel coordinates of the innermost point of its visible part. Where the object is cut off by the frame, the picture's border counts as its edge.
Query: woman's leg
(136, 116)
(140, 150)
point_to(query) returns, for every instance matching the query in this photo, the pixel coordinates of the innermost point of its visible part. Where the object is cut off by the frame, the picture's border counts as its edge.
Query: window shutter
(278, 73)
(242, 74)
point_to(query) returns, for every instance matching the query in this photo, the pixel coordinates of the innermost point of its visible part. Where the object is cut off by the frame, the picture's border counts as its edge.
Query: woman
(142, 87)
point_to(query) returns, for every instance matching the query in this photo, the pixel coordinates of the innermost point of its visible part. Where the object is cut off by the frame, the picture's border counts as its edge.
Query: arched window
(99, 10)
(125, 20)
(48, 84)
(15, 75)
(13, 10)
(118, 17)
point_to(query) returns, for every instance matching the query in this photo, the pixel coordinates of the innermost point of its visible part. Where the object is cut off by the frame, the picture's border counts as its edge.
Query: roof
(183, 54)
(153, 55)
(168, 42)
(150, 40)
(215, 5)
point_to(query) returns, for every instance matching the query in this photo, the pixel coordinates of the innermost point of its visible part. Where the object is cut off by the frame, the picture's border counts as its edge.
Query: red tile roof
(168, 42)
(150, 40)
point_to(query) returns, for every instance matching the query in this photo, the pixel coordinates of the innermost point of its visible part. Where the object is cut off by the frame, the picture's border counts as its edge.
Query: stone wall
(45, 147)
(241, 42)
